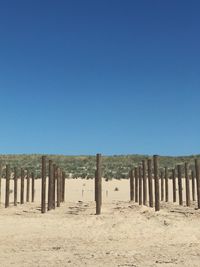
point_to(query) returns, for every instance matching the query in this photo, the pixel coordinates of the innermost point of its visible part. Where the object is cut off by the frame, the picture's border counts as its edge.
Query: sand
(125, 234)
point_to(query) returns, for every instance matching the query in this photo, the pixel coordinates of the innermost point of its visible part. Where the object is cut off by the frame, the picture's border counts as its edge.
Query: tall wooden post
(28, 186)
(144, 182)
(193, 186)
(15, 186)
(43, 191)
(162, 185)
(7, 186)
(0, 178)
(54, 186)
(50, 185)
(63, 186)
(58, 186)
(156, 181)
(149, 164)
(174, 184)
(98, 184)
(136, 184)
(140, 185)
(187, 185)
(180, 185)
(131, 175)
(197, 181)
(33, 187)
(166, 185)
(22, 187)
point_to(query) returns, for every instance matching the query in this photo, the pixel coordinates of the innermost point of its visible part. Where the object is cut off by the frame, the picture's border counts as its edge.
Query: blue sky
(107, 76)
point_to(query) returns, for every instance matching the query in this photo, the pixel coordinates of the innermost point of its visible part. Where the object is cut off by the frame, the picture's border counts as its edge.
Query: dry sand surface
(124, 235)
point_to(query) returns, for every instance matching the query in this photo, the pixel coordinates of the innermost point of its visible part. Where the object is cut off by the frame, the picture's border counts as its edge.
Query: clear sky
(107, 76)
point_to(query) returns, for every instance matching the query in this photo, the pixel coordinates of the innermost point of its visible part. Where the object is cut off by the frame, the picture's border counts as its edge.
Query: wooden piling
(131, 175)
(33, 187)
(54, 187)
(174, 184)
(28, 186)
(149, 164)
(7, 195)
(140, 185)
(63, 186)
(98, 184)
(187, 185)
(43, 191)
(156, 181)
(22, 187)
(162, 185)
(50, 186)
(197, 181)
(193, 186)
(180, 185)
(136, 183)
(15, 186)
(144, 182)
(166, 185)
(58, 186)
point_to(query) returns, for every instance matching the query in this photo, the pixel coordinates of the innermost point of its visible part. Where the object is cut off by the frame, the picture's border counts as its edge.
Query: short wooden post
(180, 185)
(156, 181)
(15, 186)
(187, 185)
(174, 184)
(166, 185)
(144, 182)
(131, 175)
(98, 184)
(7, 186)
(22, 187)
(197, 181)
(0, 178)
(193, 185)
(140, 185)
(33, 187)
(149, 164)
(58, 186)
(54, 186)
(50, 185)
(61, 183)
(28, 186)
(162, 185)
(136, 184)
(43, 191)
(63, 186)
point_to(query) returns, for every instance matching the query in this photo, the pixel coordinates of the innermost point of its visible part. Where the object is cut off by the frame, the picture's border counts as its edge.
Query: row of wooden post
(138, 183)
(56, 185)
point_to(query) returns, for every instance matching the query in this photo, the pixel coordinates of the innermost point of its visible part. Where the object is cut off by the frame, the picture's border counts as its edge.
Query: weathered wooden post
(197, 181)
(144, 182)
(180, 185)
(22, 187)
(0, 178)
(136, 183)
(54, 186)
(43, 191)
(28, 186)
(58, 186)
(140, 185)
(193, 185)
(162, 185)
(7, 186)
(33, 187)
(174, 184)
(187, 185)
(98, 184)
(166, 185)
(15, 186)
(156, 181)
(149, 164)
(63, 186)
(131, 175)
(50, 185)
(61, 183)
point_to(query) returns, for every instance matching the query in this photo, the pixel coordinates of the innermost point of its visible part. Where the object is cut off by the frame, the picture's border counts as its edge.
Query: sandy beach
(125, 234)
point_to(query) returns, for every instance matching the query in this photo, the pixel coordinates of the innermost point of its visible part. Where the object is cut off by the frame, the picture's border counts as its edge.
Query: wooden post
(197, 181)
(140, 185)
(50, 186)
(15, 186)
(149, 163)
(162, 184)
(193, 186)
(0, 178)
(22, 187)
(166, 185)
(187, 185)
(28, 186)
(61, 183)
(136, 183)
(144, 182)
(156, 181)
(43, 191)
(7, 186)
(180, 185)
(131, 185)
(54, 187)
(58, 186)
(174, 184)
(63, 186)
(98, 184)
(33, 187)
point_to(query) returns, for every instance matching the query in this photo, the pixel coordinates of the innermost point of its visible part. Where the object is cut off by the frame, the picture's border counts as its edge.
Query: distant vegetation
(117, 166)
